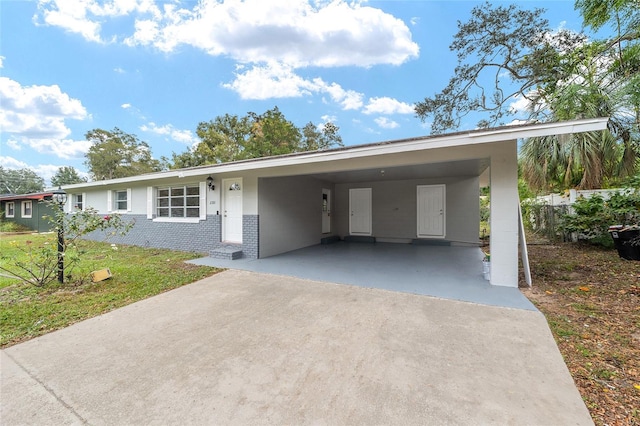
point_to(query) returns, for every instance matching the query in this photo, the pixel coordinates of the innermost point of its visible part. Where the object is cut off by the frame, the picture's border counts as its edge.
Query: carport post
(504, 214)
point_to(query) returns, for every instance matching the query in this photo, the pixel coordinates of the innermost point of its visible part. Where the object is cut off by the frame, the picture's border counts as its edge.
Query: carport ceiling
(418, 171)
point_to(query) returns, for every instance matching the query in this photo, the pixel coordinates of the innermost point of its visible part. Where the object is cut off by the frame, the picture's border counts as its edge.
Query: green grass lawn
(27, 311)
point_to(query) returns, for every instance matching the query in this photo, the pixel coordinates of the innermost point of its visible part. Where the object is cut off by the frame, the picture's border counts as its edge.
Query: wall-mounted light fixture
(210, 183)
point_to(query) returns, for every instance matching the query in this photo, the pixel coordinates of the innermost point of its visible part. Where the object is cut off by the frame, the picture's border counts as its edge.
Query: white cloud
(14, 144)
(119, 70)
(386, 123)
(348, 99)
(295, 32)
(275, 38)
(125, 106)
(12, 163)
(272, 80)
(520, 104)
(35, 116)
(275, 80)
(45, 171)
(386, 105)
(2, 58)
(62, 148)
(182, 136)
(85, 17)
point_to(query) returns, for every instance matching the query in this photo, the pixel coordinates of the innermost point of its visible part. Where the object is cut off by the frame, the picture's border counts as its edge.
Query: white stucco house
(424, 188)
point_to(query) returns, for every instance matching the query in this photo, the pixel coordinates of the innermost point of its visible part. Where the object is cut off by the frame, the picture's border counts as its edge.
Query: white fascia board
(392, 147)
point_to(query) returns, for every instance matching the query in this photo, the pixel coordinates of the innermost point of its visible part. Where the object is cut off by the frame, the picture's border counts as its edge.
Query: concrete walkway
(247, 348)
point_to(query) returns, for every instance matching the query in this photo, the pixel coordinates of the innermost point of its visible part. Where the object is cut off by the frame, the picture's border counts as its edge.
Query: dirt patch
(591, 299)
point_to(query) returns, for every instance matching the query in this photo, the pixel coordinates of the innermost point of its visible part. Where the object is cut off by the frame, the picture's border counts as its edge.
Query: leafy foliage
(116, 154)
(23, 181)
(592, 217)
(66, 176)
(231, 138)
(503, 52)
(38, 264)
(508, 54)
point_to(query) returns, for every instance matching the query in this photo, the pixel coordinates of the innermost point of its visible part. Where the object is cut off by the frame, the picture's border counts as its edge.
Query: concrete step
(227, 251)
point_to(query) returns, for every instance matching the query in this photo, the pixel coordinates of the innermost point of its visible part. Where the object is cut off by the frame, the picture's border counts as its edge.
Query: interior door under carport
(431, 211)
(360, 220)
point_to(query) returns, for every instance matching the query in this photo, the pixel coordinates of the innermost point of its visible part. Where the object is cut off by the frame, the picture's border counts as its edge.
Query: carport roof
(473, 137)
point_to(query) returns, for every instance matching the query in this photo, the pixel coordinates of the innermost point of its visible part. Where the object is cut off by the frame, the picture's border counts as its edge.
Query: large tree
(604, 81)
(22, 181)
(232, 138)
(506, 54)
(116, 154)
(319, 138)
(66, 175)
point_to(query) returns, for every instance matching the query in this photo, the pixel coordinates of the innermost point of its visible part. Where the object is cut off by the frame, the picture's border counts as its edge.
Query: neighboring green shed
(27, 210)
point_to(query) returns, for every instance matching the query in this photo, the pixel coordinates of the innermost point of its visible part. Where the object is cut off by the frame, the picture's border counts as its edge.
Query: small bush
(592, 217)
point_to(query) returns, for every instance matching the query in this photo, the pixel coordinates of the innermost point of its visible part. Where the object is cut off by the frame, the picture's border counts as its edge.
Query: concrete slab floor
(247, 348)
(449, 272)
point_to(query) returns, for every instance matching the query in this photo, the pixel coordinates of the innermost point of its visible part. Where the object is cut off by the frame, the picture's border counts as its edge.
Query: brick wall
(250, 236)
(198, 237)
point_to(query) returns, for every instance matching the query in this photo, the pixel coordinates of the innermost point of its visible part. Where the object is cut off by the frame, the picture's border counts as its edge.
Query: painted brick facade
(198, 237)
(251, 236)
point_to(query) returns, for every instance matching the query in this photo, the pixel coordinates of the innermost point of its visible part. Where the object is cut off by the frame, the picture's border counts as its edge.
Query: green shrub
(592, 217)
(38, 264)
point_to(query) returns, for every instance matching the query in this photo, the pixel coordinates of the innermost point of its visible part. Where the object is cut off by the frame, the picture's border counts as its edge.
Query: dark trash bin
(627, 241)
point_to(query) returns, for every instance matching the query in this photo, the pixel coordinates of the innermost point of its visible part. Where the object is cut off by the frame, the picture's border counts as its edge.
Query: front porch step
(227, 252)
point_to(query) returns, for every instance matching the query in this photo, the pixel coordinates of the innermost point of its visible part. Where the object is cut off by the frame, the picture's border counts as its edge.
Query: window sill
(177, 219)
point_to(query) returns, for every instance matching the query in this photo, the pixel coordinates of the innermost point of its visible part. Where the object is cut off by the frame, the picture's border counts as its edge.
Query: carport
(389, 179)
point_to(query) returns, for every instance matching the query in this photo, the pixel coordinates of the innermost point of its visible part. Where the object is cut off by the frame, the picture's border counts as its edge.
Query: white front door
(360, 211)
(232, 210)
(431, 211)
(326, 211)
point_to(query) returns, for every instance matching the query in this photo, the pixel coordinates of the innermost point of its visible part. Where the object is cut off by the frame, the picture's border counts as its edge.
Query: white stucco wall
(290, 213)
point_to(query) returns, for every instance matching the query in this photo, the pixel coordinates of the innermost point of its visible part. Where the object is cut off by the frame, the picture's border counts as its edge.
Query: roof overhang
(35, 196)
(458, 139)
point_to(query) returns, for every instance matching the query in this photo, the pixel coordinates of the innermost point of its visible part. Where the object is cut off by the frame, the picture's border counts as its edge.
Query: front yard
(27, 311)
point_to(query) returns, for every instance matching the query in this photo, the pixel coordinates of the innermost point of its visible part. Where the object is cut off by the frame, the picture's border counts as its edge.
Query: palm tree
(587, 160)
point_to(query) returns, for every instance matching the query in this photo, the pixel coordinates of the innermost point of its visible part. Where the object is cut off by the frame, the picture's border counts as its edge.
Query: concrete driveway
(248, 348)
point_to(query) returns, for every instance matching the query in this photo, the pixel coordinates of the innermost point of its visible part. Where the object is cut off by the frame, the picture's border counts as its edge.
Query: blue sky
(157, 68)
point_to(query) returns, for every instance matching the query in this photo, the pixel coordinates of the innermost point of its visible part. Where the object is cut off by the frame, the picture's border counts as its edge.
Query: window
(121, 200)
(11, 209)
(178, 201)
(78, 202)
(27, 209)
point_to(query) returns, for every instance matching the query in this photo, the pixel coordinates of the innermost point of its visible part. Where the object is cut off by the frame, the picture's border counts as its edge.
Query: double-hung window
(78, 201)
(178, 201)
(27, 208)
(10, 209)
(120, 200)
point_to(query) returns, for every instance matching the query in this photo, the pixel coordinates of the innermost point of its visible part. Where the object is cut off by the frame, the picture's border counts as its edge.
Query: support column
(504, 215)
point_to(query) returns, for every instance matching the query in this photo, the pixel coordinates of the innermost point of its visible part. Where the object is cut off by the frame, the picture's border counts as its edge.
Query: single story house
(29, 210)
(424, 188)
